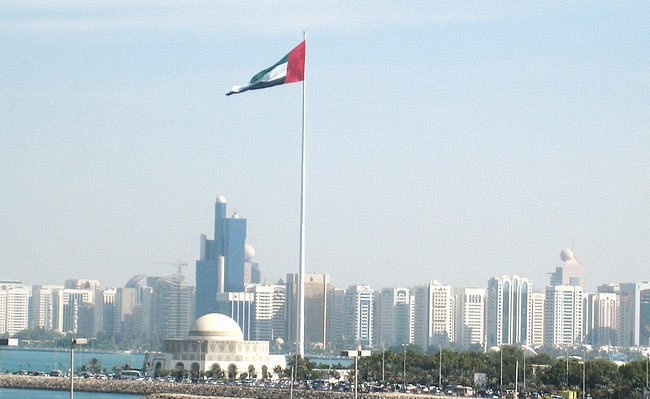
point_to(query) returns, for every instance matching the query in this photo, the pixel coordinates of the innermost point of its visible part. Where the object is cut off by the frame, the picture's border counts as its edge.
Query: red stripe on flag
(296, 64)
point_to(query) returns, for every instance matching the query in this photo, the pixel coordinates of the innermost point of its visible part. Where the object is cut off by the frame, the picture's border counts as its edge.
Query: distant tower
(570, 273)
(221, 265)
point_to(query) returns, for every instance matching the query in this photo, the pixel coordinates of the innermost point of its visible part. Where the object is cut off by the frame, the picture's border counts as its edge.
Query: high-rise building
(395, 317)
(172, 307)
(41, 307)
(433, 315)
(221, 265)
(538, 300)
(508, 315)
(601, 318)
(239, 306)
(108, 310)
(336, 338)
(570, 273)
(359, 306)
(14, 307)
(268, 312)
(635, 314)
(68, 310)
(317, 287)
(563, 315)
(469, 317)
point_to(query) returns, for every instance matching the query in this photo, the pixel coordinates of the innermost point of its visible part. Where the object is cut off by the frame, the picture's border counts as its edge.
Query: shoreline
(168, 390)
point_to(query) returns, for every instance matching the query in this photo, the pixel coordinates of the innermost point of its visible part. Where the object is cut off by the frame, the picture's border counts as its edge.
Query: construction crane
(179, 266)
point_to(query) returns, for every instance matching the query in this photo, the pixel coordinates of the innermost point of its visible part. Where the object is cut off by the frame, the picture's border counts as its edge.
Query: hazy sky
(446, 140)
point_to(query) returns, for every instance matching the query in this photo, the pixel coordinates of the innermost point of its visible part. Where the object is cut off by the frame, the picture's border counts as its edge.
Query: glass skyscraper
(220, 267)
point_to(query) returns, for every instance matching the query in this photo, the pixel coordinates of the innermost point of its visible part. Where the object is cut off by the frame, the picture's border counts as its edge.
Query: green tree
(232, 371)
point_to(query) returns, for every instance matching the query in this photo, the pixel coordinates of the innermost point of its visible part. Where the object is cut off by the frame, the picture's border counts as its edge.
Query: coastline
(168, 390)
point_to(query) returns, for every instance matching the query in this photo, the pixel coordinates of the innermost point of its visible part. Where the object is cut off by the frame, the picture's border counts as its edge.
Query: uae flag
(291, 68)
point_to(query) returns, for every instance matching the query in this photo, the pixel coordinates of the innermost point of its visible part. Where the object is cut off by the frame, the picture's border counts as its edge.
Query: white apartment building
(14, 307)
(538, 299)
(268, 311)
(563, 315)
(359, 307)
(433, 315)
(469, 317)
(509, 308)
(43, 306)
(395, 316)
(635, 313)
(601, 318)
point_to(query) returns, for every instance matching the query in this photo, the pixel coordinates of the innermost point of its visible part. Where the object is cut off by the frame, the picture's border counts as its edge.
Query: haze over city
(448, 142)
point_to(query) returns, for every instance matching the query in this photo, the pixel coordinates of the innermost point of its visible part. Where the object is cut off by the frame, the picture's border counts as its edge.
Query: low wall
(168, 390)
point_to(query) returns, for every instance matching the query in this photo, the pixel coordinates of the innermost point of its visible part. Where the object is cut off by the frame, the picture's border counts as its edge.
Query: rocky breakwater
(169, 390)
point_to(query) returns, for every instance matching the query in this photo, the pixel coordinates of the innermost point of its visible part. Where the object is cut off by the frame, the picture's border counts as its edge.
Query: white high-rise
(469, 307)
(635, 314)
(602, 318)
(395, 317)
(14, 307)
(268, 312)
(433, 315)
(563, 315)
(359, 307)
(538, 300)
(509, 308)
(42, 306)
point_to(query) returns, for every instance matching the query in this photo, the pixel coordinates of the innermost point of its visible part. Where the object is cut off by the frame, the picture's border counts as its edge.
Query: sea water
(45, 360)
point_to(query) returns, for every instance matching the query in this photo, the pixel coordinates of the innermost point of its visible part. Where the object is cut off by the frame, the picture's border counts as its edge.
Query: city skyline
(448, 142)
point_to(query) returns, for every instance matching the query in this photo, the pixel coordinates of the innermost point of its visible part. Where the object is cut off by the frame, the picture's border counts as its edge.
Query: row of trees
(543, 373)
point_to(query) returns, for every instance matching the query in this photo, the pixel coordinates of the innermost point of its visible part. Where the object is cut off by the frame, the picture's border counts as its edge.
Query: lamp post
(567, 367)
(500, 371)
(524, 371)
(73, 342)
(356, 355)
(440, 368)
(584, 374)
(383, 365)
(404, 369)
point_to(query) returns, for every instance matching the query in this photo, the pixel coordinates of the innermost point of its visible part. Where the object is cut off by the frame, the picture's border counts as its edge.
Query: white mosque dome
(217, 326)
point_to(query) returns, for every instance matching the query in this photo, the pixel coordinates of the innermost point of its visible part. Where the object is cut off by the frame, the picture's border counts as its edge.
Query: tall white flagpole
(301, 271)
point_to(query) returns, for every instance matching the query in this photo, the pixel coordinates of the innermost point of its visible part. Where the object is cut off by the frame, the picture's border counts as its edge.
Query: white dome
(221, 199)
(249, 252)
(567, 255)
(217, 326)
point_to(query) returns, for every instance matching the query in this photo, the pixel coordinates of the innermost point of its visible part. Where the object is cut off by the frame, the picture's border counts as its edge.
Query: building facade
(469, 305)
(509, 306)
(433, 315)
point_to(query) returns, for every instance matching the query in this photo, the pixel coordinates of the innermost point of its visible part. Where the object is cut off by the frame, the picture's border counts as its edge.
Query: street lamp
(404, 368)
(73, 342)
(383, 365)
(500, 371)
(356, 355)
(440, 368)
(584, 369)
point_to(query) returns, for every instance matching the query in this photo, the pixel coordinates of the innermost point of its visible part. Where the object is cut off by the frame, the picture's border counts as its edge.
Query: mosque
(215, 339)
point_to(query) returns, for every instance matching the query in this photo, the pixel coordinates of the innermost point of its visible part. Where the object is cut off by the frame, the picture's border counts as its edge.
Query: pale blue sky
(445, 141)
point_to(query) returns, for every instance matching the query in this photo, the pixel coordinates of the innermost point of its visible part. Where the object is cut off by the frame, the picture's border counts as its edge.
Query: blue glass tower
(220, 267)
